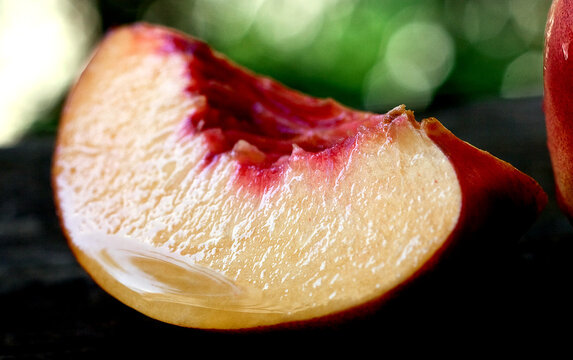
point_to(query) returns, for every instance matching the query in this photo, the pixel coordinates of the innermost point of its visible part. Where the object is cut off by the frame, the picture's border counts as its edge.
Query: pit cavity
(256, 119)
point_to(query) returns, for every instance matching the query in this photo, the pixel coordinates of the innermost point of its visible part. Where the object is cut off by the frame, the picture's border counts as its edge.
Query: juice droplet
(159, 275)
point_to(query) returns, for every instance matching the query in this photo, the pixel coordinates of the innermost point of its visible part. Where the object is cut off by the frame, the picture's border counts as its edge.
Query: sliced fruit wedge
(206, 196)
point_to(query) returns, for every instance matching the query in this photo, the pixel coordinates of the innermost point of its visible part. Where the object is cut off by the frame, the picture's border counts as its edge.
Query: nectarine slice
(206, 196)
(558, 99)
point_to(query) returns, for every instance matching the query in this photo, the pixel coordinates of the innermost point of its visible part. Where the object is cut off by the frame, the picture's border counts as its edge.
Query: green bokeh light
(369, 54)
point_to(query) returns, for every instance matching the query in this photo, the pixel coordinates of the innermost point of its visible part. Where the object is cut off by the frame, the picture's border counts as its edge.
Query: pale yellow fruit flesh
(186, 245)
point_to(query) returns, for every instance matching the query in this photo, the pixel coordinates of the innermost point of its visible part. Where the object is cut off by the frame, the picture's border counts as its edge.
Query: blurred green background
(368, 54)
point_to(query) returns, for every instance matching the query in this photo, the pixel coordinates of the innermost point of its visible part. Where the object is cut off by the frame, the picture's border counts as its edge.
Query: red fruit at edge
(558, 99)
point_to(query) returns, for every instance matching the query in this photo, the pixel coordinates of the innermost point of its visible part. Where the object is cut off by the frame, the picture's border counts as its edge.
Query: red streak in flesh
(239, 105)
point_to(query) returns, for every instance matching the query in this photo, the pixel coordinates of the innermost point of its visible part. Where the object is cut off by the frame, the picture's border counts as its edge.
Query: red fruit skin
(558, 99)
(496, 197)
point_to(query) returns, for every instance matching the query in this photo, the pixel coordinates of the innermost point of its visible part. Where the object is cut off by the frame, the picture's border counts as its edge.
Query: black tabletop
(50, 308)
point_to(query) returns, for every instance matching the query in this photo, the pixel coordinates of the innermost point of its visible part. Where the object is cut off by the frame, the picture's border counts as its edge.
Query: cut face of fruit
(206, 196)
(558, 92)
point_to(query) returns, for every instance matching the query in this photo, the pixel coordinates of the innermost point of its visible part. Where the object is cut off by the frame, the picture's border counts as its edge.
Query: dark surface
(514, 296)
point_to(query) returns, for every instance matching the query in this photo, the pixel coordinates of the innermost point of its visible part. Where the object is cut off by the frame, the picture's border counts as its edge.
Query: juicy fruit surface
(153, 222)
(271, 118)
(558, 99)
(206, 196)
